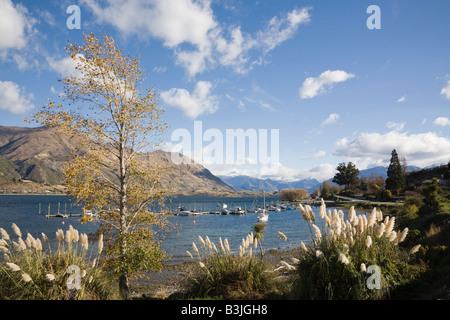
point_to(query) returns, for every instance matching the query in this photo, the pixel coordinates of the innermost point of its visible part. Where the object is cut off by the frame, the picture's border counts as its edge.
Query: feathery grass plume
(68, 237)
(190, 255)
(221, 245)
(392, 236)
(201, 241)
(4, 249)
(50, 277)
(208, 242)
(194, 247)
(13, 267)
(415, 249)
(3, 243)
(201, 264)
(227, 246)
(287, 265)
(29, 240)
(389, 222)
(38, 245)
(317, 232)
(380, 230)
(75, 234)
(379, 216)
(402, 235)
(16, 230)
(60, 235)
(26, 277)
(45, 238)
(363, 267)
(100, 244)
(311, 215)
(368, 241)
(21, 244)
(84, 241)
(215, 248)
(4, 234)
(304, 248)
(319, 254)
(282, 236)
(372, 218)
(342, 258)
(322, 210)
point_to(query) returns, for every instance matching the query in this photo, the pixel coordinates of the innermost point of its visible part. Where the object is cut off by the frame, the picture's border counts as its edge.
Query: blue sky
(335, 90)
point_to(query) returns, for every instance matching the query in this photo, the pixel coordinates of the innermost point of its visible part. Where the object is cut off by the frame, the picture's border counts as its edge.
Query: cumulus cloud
(15, 25)
(193, 104)
(190, 29)
(421, 149)
(314, 86)
(14, 99)
(442, 121)
(332, 118)
(64, 67)
(446, 91)
(276, 171)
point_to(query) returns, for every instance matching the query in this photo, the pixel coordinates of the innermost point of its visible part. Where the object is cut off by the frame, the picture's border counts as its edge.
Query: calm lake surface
(23, 210)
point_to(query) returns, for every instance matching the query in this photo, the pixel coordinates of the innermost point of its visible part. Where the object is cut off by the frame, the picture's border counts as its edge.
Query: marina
(38, 214)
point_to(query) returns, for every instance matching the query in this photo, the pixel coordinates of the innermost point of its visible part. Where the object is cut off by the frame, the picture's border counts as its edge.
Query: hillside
(32, 160)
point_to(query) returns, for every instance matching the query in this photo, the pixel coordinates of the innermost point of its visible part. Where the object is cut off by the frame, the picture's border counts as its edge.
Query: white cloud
(281, 29)
(276, 171)
(442, 121)
(421, 149)
(65, 67)
(332, 118)
(193, 105)
(190, 29)
(401, 99)
(446, 91)
(15, 25)
(319, 154)
(397, 126)
(14, 99)
(314, 86)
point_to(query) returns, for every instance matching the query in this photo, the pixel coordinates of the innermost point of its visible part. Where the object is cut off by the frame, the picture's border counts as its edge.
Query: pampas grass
(333, 266)
(32, 271)
(231, 275)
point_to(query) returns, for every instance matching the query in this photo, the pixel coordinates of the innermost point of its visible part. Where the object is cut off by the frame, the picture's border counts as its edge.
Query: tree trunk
(124, 287)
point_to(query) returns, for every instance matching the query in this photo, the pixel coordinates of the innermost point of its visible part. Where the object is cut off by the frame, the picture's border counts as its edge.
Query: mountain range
(257, 185)
(244, 182)
(32, 160)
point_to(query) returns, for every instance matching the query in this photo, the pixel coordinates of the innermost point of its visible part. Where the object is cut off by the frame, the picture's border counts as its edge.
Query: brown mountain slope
(38, 155)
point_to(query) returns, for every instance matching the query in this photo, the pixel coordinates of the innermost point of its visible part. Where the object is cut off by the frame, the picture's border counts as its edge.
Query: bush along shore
(349, 256)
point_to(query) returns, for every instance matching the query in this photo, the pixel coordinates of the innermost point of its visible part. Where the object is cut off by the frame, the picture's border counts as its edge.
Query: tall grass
(32, 270)
(335, 264)
(220, 273)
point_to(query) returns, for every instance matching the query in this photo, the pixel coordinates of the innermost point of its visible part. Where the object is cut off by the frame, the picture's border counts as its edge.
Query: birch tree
(118, 123)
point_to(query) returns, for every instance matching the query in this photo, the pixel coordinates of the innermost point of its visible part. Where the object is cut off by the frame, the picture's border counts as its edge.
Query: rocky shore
(155, 285)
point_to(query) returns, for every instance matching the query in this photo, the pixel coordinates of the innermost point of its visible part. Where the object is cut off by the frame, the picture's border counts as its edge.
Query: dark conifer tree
(395, 181)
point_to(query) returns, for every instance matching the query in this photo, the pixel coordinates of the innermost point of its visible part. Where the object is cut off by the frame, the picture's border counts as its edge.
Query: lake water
(23, 210)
